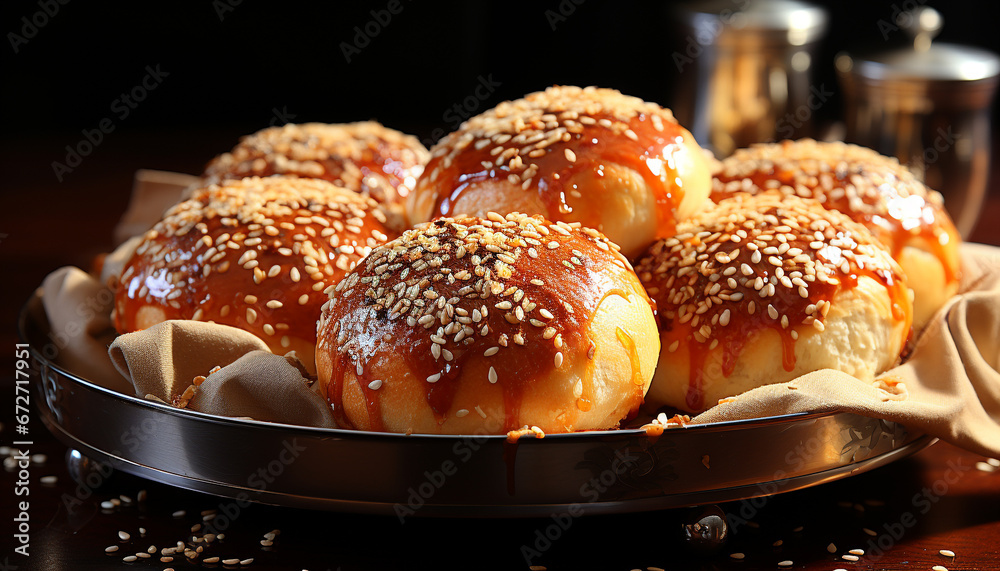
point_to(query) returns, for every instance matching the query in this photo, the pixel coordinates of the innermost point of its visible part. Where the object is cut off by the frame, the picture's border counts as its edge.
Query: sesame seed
(558, 359)
(492, 376)
(111, 549)
(738, 556)
(124, 536)
(786, 563)
(437, 377)
(857, 552)
(375, 385)
(947, 552)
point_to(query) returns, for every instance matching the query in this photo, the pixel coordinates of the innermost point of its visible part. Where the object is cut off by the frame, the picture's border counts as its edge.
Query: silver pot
(929, 106)
(744, 71)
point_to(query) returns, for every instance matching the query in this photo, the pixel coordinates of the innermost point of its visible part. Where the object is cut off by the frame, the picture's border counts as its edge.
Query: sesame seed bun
(873, 190)
(594, 156)
(365, 157)
(256, 253)
(471, 325)
(764, 288)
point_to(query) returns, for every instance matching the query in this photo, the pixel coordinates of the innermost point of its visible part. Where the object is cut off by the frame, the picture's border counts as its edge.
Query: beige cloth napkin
(164, 361)
(78, 308)
(952, 383)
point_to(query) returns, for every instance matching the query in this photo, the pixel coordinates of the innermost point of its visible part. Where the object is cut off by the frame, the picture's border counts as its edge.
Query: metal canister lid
(925, 61)
(788, 21)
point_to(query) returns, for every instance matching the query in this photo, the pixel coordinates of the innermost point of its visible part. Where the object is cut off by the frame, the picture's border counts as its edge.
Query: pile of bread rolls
(554, 264)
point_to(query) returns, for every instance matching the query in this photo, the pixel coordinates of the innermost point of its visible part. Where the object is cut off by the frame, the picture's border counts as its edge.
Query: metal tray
(474, 475)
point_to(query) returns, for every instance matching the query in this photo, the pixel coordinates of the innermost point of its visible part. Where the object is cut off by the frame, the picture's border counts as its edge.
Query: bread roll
(256, 253)
(764, 288)
(365, 157)
(594, 156)
(872, 189)
(472, 326)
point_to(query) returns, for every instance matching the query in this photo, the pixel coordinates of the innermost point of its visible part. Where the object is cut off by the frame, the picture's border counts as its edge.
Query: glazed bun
(470, 325)
(764, 288)
(594, 156)
(257, 254)
(365, 157)
(872, 189)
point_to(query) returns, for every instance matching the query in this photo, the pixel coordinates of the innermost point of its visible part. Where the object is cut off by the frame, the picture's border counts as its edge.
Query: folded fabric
(78, 308)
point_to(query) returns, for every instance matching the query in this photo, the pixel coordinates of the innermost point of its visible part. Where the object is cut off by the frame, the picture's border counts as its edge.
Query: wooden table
(934, 500)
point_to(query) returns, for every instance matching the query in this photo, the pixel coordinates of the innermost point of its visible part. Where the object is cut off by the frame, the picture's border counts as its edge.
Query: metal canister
(744, 67)
(929, 106)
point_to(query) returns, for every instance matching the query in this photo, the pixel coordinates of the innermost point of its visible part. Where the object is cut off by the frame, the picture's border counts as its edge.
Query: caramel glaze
(484, 289)
(364, 157)
(688, 277)
(551, 141)
(294, 237)
(873, 190)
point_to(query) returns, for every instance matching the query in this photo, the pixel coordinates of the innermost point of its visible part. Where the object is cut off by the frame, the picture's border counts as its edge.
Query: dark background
(232, 70)
(231, 67)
